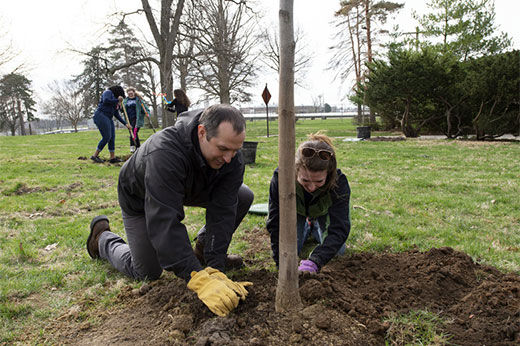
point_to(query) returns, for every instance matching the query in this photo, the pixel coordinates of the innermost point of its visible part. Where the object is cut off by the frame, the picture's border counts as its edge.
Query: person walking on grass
(108, 107)
(322, 204)
(134, 108)
(196, 162)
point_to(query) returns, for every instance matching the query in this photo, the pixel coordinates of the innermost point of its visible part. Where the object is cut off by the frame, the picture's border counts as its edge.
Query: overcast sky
(43, 30)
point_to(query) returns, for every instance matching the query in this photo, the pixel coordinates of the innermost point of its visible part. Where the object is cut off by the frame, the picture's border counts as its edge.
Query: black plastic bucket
(363, 132)
(249, 152)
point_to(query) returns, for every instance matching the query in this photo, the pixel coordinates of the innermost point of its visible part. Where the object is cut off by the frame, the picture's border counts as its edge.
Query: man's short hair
(214, 115)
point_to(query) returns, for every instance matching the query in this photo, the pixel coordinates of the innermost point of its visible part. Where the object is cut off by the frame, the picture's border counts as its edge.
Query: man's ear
(201, 131)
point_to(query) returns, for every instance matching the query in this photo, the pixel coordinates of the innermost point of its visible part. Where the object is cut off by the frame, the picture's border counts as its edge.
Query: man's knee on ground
(150, 276)
(246, 195)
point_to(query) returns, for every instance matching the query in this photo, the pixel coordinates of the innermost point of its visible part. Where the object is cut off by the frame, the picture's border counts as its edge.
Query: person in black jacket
(322, 204)
(197, 162)
(180, 103)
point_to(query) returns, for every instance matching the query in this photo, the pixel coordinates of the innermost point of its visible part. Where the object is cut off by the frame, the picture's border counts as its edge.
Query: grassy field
(407, 194)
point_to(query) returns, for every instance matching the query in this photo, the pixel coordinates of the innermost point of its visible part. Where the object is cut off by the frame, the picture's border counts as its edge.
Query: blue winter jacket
(108, 106)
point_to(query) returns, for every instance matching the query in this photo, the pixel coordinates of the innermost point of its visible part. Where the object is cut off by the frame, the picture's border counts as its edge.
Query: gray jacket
(168, 172)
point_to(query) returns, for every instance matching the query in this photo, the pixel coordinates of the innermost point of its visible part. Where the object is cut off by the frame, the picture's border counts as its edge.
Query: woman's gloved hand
(238, 287)
(213, 292)
(308, 266)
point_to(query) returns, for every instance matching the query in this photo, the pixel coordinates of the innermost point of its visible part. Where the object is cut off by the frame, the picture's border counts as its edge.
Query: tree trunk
(165, 37)
(167, 87)
(287, 292)
(20, 117)
(368, 21)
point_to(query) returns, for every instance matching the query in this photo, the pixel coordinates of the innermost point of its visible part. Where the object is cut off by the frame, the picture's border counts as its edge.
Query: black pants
(245, 199)
(137, 142)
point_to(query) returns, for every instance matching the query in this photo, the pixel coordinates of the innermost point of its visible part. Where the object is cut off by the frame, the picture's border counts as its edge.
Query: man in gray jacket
(197, 162)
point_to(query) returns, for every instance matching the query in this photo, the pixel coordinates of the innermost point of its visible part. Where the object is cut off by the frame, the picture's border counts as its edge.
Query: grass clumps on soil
(417, 327)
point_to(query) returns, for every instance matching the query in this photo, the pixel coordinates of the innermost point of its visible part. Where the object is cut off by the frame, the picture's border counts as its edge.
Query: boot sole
(92, 224)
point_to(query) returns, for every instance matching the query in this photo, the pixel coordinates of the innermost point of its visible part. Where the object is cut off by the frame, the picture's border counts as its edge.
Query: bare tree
(184, 59)
(350, 39)
(152, 91)
(287, 293)
(67, 102)
(165, 36)
(302, 56)
(357, 21)
(224, 57)
(7, 50)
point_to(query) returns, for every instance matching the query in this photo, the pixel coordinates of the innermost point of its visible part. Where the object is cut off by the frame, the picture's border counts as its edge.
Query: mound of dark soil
(346, 304)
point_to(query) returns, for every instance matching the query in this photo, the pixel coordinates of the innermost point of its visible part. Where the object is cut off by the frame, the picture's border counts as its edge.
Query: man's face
(311, 181)
(222, 148)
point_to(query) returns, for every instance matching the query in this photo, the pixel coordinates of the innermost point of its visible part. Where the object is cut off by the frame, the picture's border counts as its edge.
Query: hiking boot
(115, 160)
(132, 148)
(232, 261)
(98, 225)
(97, 159)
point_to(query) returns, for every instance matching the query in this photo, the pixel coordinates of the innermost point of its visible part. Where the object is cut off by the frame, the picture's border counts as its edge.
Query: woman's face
(311, 181)
(131, 94)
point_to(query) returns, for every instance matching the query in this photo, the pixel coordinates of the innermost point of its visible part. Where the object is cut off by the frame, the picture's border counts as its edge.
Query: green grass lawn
(407, 194)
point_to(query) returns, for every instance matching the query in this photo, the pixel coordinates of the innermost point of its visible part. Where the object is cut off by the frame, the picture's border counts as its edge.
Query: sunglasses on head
(322, 154)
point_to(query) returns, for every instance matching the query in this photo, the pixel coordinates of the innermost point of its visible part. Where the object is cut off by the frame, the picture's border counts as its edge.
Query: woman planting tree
(322, 203)
(107, 108)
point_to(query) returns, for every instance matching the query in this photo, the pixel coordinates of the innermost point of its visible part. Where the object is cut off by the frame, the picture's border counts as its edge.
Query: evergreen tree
(123, 48)
(16, 102)
(464, 27)
(95, 77)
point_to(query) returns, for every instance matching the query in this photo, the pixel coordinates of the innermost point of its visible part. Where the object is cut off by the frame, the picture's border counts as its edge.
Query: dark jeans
(137, 142)
(138, 258)
(307, 228)
(108, 133)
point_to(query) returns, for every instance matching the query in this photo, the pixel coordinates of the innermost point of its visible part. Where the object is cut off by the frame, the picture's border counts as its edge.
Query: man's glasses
(325, 155)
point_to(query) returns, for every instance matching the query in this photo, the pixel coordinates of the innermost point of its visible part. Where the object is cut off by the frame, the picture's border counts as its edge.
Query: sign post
(266, 95)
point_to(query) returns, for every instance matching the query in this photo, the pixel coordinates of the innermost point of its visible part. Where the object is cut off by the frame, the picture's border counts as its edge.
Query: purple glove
(308, 266)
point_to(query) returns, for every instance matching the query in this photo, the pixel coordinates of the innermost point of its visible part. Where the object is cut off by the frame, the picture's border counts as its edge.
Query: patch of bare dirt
(345, 304)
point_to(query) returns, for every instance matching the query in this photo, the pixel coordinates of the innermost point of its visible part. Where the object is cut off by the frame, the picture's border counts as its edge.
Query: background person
(322, 204)
(108, 107)
(180, 103)
(193, 163)
(134, 108)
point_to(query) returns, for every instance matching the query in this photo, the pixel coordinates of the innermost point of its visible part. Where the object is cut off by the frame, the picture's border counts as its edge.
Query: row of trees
(208, 45)
(452, 76)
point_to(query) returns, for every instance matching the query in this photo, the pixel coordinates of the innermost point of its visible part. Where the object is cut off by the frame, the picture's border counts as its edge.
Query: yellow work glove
(238, 287)
(213, 292)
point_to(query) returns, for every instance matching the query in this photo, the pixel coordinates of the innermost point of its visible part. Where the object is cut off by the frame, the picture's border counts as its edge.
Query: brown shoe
(98, 225)
(232, 261)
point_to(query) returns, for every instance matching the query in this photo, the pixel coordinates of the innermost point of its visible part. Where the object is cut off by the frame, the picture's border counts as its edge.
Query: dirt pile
(346, 304)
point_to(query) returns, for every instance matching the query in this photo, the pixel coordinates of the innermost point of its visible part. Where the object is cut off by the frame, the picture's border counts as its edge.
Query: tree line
(429, 80)
(454, 75)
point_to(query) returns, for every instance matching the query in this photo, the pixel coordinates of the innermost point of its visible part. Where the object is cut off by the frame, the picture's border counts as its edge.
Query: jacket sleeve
(273, 219)
(221, 216)
(164, 185)
(141, 112)
(117, 115)
(339, 226)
